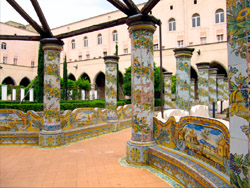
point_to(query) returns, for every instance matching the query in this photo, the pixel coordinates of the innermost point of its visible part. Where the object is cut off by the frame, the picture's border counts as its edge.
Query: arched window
(172, 24)
(219, 16)
(85, 41)
(73, 43)
(196, 20)
(99, 39)
(115, 36)
(3, 46)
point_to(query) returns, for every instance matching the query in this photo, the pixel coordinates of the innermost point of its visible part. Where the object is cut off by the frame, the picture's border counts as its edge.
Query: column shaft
(212, 90)
(167, 91)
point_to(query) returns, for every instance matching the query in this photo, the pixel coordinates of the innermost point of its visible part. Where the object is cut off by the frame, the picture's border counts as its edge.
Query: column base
(51, 138)
(137, 152)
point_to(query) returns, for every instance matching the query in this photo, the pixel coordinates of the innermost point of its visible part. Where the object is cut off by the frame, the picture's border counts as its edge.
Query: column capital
(183, 52)
(213, 71)
(140, 21)
(220, 76)
(203, 65)
(167, 74)
(52, 44)
(111, 59)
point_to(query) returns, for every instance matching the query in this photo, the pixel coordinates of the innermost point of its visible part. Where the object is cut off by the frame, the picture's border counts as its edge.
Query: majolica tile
(238, 76)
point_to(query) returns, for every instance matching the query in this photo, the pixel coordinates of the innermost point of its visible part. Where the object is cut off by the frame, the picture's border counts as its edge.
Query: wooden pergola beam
(118, 4)
(92, 28)
(42, 18)
(149, 6)
(132, 6)
(20, 37)
(19, 9)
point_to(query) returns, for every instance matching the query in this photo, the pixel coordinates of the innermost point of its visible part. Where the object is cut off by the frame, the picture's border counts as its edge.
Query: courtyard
(89, 163)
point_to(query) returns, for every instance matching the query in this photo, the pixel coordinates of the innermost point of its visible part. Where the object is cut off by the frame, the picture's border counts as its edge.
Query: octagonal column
(167, 91)
(203, 75)
(226, 89)
(183, 67)
(51, 135)
(141, 29)
(111, 89)
(212, 91)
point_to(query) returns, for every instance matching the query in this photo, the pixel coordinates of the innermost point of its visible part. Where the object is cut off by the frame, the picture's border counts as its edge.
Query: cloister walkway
(89, 163)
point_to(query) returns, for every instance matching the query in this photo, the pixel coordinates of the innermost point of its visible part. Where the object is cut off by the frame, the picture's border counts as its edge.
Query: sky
(67, 11)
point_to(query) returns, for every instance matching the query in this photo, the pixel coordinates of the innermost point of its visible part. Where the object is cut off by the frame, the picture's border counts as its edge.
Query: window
(3, 46)
(73, 43)
(125, 51)
(196, 20)
(219, 16)
(155, 46)
(4, 60)
(203, 40)
(32, 63)
(15, 61)
(171, 24)
(220, 38)
(115, 36)
(85, 41)
(171, 7)
(105, 54)
(180, 43)
(80, 57)
(88, 56)
(195, 1)
(99, 39)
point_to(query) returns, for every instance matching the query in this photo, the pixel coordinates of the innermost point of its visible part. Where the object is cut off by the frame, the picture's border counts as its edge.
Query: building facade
(200, 24)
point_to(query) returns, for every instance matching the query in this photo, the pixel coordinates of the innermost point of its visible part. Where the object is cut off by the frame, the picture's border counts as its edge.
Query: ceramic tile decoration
(238, 66)
(203, 82)
(226, 89)
(203, 140)
(183, 58)
(192, 90)
(111, 87)
(220, 87)
(167, 91)
(51, 100)
(141, 29)
(212, 90)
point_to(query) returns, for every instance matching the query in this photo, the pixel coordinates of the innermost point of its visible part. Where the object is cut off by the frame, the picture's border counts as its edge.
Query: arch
(100, 85)
(9, 81)
(220, 67)
(171, 24)
(196, 20)
(85, 76)
(71, 77)
(219, 16)
(25, 82)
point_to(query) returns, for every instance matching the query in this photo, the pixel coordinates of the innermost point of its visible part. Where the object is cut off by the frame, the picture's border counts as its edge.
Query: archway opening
(25, 82)
(8, 81)
(100, 85)
(72, 77)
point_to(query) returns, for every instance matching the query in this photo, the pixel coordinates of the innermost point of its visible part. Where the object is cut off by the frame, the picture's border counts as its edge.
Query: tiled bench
(186, 169)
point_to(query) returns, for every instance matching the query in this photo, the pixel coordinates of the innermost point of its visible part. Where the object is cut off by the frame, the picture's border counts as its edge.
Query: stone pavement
(89, 163)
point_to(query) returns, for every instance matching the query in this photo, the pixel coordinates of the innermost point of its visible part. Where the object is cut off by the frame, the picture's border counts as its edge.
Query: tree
(82, 83)
(65, 78)
(40, 73)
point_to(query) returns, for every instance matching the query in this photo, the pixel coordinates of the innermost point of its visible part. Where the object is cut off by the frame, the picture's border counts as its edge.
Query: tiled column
(167, 91)
(212, 91)
(141, 29)
(226, 89)
(239, 77)
(203, 82)
(192, 90)
(51, 135)
(92, 92)
(220, 90)
(111, 89)
(183, 67)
